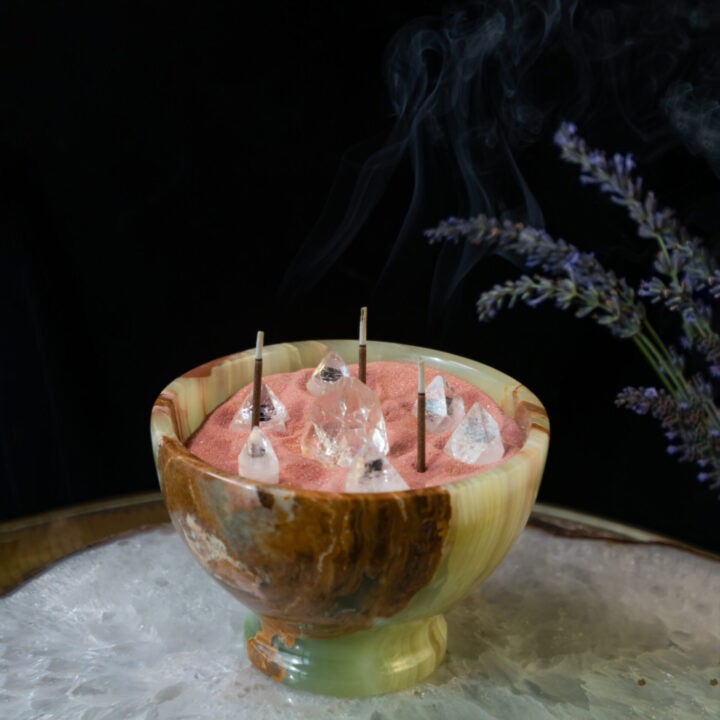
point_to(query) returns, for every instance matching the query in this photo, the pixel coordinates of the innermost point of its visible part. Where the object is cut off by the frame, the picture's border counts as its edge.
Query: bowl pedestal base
(384, 659)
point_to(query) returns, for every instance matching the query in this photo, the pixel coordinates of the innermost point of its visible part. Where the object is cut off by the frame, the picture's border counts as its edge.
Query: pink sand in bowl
(396, 385)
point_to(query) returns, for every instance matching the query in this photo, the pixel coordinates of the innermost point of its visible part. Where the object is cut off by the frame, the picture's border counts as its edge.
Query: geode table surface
(566, 627)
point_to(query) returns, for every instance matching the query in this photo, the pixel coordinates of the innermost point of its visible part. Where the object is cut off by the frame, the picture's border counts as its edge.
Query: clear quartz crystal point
(273, 413)
(341, 422)
(444, 408)
(371, 471)
(476, 440)
(331, 369)
(257, 460)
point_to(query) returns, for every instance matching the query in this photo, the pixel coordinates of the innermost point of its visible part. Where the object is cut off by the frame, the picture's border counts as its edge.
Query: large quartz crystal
(273, 413)
(331, 369)
(257, 460)
(341, 422)
(476, 440)
(371, 471)
(444, 408)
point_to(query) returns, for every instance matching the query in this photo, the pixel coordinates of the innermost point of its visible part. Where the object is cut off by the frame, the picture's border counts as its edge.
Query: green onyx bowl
(346, 591)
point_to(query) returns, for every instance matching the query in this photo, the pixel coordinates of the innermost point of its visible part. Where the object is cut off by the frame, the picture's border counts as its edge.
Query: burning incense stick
(257, 379)
(420, 464)
(362, 346)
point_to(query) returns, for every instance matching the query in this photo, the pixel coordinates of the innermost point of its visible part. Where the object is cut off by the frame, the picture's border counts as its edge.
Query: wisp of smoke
(697, 121)
(472, 90)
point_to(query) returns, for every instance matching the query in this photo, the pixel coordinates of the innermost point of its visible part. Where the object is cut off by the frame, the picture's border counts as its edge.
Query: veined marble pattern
(330, 566)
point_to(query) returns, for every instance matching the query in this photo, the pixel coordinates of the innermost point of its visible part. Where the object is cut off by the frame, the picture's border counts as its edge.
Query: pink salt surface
(396, 385)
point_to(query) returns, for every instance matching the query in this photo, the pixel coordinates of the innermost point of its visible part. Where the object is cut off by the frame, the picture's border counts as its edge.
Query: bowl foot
(383, 659)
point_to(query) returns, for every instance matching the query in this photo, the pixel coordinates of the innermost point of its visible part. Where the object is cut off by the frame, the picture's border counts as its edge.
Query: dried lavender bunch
(686, 282)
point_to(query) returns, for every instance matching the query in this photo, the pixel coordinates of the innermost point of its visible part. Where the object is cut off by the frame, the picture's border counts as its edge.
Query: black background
(162, 170)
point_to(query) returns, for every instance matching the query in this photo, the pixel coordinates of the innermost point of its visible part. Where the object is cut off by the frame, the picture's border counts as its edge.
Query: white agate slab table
(583, 619)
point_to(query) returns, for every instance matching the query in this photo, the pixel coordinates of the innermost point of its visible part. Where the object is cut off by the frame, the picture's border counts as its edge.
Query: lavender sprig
(690, 272)
(579, 281)
(687, 281)
(684, 426)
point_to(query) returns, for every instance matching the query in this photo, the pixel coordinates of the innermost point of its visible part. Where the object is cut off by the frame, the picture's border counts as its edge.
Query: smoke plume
(475, 89)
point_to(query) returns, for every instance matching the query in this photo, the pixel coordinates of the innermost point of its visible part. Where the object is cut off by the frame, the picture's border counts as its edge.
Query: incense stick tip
(363, 326)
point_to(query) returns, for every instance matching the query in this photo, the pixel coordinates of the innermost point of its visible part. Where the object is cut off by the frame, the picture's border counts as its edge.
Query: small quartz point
(257, 460)
(444, 408)
(371, 471)
(331, 369)
(341, 422)
(476, 440)
(273, 413)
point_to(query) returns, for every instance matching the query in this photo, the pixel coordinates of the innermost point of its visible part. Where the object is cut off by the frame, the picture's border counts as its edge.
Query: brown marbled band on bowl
(366, 553)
